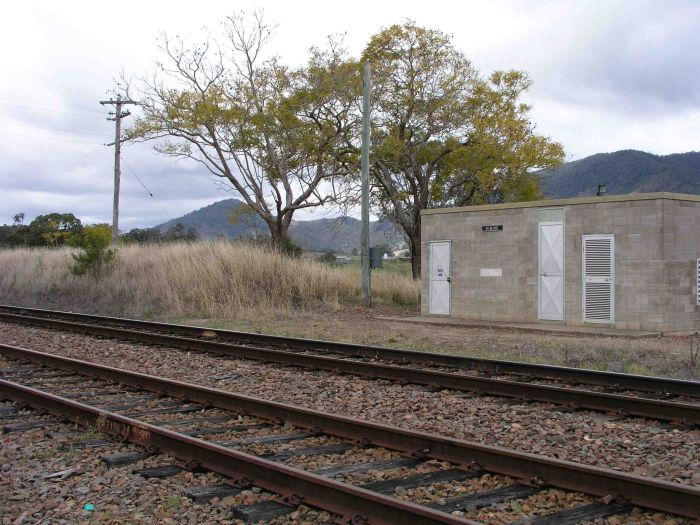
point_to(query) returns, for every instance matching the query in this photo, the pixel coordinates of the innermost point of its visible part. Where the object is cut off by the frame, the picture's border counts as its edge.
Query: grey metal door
(439, 281)
(551, 266)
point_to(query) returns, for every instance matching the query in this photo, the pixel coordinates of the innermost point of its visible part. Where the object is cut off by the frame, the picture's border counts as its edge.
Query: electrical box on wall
(375, 257)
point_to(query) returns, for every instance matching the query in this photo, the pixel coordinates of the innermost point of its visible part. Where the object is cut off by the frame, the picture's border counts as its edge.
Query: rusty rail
(527, 468)
(488, 366)
(296, 485)
(567, 396)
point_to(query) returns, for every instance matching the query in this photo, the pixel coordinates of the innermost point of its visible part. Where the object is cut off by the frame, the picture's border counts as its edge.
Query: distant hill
(626, 171)
(340, 235)
(213, 220)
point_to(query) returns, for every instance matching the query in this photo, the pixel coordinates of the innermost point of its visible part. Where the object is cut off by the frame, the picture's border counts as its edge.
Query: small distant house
(624, 261)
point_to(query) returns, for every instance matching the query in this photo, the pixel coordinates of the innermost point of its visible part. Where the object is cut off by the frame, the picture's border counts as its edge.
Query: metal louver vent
(598, 279)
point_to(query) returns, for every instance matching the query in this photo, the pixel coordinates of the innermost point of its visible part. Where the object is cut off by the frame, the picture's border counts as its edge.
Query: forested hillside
(627, 171)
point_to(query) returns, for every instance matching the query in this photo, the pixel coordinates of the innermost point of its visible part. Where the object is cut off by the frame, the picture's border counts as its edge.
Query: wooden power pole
(366, 271)
(118, 116)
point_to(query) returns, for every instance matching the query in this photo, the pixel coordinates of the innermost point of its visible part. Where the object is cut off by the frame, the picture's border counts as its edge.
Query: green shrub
(327, 258)
(288, 248)
(94, 256)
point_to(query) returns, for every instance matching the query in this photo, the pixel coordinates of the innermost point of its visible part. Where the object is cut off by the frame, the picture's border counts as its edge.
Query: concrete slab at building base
(546, 328)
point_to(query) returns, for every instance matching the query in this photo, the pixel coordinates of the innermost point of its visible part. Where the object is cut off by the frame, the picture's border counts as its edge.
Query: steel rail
(570, 397)
(489, 366)
(295, 484)
(527, 468)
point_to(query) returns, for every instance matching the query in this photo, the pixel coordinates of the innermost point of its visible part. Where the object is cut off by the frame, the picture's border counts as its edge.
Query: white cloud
(607, 76)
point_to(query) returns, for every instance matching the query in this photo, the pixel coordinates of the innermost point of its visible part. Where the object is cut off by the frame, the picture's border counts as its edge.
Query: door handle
(449, 280)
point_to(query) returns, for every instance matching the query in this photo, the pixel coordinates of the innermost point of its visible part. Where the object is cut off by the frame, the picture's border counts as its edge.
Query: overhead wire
(55, 130)
(30, 101)
(138, 178)
(160, 204)
(57, 139)
(73, 109)
(68, 112)
(60, 130)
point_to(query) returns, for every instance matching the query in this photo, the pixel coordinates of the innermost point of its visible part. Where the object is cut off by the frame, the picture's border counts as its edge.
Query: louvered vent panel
(598, 258)
(598, 302)
(598, 286)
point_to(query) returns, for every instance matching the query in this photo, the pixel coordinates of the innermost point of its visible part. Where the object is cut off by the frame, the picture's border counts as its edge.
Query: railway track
(357, 470)
(623, 394)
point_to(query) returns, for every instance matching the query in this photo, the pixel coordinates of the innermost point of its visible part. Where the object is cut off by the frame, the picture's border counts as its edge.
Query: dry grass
(203, 279)
(237, 286)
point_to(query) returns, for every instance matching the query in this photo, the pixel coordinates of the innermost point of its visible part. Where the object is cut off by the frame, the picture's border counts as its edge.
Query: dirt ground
(663, 356)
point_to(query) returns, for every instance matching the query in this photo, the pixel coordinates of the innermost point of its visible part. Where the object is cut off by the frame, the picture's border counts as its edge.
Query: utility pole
(118, 116)
(366, 285)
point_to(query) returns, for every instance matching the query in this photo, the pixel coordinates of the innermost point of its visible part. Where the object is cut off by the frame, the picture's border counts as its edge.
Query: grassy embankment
(235, 286)
(203, 279)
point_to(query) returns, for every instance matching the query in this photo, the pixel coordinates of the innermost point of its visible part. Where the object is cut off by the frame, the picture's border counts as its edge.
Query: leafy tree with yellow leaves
(444, 136)
(277, 135)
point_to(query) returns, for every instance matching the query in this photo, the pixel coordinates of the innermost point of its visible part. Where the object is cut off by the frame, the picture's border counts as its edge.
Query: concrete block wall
(681, 248)
(512, 297)
(657, 241)
(639, 265)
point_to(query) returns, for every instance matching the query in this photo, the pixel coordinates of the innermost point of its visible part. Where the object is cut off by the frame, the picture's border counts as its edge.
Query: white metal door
(439, 282)
(551, 281)
(598, 278)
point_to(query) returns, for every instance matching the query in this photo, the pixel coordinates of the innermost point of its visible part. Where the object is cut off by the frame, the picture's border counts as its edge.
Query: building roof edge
(567, 202)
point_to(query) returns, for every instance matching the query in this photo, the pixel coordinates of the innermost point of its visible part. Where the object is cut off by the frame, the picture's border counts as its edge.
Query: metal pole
(117, 170)
(366, 286)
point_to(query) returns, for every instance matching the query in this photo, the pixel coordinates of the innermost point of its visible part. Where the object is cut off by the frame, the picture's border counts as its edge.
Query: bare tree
(277, 135)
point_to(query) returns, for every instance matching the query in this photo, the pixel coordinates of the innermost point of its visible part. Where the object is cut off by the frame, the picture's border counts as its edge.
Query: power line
(53, 104)
(50, 138)
(138, 179)
(71, 112)
(158, 202)
(59, 130)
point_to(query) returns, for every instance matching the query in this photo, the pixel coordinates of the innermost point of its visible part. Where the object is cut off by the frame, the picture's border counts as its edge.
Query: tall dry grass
(202, 279)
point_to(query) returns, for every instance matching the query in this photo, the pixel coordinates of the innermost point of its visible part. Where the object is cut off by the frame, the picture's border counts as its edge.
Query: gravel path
(633, 445)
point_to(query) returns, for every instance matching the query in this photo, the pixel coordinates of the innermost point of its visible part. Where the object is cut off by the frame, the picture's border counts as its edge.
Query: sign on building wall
(492, 228)
(491, 272)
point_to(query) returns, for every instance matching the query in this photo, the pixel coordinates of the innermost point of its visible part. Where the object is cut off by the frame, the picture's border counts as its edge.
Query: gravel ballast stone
(633, 445)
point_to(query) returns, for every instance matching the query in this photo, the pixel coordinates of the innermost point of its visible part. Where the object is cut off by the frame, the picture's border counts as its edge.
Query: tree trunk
(414, 242)
(278, 233)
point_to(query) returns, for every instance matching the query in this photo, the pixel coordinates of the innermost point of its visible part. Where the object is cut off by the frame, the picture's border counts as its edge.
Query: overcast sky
(607, 76)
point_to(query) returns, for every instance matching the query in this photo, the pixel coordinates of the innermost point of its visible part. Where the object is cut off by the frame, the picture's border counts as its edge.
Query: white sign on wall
(491, 272)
